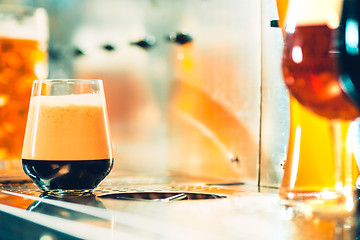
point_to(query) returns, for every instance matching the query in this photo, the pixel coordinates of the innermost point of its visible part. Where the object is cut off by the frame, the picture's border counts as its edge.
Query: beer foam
(33, 27)
(71, 127)
(310, 12)
(65, 100)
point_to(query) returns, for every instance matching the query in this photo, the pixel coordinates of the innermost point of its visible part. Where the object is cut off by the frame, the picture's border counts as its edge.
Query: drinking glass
(313, 148)
(23, 58)
(349, 58)
(311, 75)
(67, 148)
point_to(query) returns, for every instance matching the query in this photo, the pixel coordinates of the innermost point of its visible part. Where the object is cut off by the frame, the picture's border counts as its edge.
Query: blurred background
(193, 87)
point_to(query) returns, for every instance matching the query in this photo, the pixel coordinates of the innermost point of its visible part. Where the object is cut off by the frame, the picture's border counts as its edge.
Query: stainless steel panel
(275, 101)
(189, 108)
(215, 102)
(135, 79)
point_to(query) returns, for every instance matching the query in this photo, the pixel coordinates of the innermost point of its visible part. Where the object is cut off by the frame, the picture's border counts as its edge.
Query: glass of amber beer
(67, 148)
(23, 58)
(311, 74)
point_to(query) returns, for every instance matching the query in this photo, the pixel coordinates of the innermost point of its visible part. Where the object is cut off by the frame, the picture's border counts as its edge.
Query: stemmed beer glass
(67, 147)
(311, 74)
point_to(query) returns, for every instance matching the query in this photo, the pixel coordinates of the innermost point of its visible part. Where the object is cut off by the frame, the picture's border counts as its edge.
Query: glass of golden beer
(23, 58)
(324, 179)
(67, 148)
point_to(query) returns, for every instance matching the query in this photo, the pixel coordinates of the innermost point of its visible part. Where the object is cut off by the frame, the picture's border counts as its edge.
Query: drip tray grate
(161, 196)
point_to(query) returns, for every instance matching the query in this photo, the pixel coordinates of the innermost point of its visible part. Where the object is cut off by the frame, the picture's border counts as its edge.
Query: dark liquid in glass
(67, 175)
(311, 72)
(349, 41)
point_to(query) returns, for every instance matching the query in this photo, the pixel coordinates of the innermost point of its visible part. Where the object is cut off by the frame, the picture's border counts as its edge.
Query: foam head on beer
(309, 12)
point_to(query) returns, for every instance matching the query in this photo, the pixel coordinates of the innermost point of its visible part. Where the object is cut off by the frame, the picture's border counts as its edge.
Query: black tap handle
(179, 38)
(274, 23)
(108, 47)
(146, 43)
(78, 52)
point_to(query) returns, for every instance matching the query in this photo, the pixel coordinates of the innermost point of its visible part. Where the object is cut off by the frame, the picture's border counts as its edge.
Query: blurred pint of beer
(23, 58)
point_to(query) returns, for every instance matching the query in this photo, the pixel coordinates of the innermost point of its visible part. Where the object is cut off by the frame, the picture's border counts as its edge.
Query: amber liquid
(282, 8)
(21, 61)
(312, 79)
(310, 165)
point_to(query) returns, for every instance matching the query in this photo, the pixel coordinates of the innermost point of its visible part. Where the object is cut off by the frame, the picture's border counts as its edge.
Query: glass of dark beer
(349, 60)
(67, 148)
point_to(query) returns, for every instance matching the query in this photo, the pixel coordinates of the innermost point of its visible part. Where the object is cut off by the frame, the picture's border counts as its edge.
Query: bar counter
(143, 207)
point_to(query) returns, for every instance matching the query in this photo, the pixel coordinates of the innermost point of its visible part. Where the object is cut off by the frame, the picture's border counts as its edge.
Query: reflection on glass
(40, 206)
(319, 228)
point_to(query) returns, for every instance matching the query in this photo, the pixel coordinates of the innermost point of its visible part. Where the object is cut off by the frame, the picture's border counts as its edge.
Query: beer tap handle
(179, 37)
(146, 43)
(274, 23)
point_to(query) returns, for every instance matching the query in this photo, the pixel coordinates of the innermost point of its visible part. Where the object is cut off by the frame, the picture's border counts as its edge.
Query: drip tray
(161, 196)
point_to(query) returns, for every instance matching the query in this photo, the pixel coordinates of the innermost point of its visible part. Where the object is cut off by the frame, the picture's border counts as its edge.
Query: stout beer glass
(23, 58)
(349, 59)
(67, 147)
(311, 75)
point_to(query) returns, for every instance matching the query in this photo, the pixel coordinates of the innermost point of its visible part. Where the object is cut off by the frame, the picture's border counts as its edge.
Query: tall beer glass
(67, 147)
(23, 58)
(311, 74)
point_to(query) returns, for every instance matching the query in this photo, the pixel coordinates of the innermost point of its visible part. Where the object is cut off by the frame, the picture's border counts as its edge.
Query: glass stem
(342, 154)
